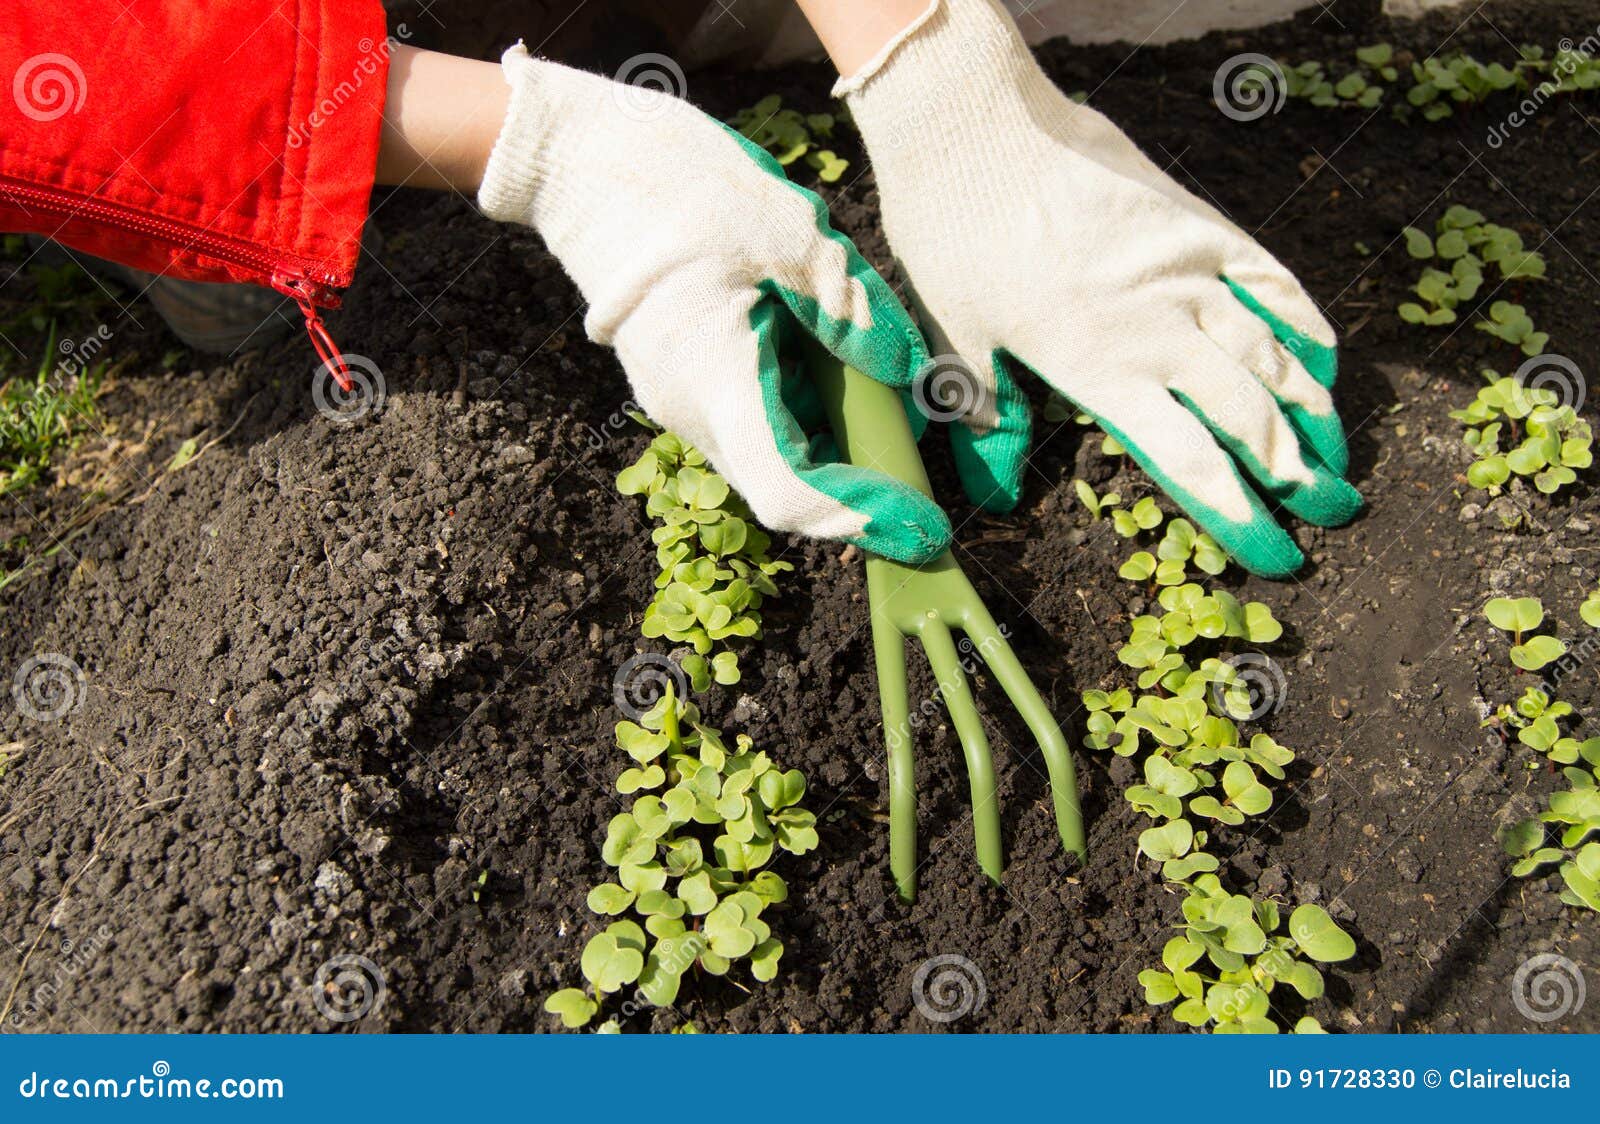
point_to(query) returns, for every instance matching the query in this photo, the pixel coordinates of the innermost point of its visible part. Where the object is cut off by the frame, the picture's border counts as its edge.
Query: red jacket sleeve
(224, 140)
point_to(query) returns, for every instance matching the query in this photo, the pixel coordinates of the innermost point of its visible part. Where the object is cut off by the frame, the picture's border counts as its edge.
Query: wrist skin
(441, 116)
(854, 33)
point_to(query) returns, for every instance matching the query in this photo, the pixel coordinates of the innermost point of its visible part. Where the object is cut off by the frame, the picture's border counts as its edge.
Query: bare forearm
(854, 32)
(440, 120)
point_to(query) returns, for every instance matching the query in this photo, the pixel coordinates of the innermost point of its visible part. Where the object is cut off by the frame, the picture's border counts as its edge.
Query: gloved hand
(1032, 228)
(697, 256)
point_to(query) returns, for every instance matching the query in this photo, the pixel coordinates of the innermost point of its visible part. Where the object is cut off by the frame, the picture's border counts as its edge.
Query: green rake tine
(963, 710)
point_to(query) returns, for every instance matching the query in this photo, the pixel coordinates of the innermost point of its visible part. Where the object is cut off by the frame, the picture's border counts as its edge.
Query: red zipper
(310, 285)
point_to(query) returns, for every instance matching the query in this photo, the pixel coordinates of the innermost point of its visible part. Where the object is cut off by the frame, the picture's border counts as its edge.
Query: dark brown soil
(334, 674)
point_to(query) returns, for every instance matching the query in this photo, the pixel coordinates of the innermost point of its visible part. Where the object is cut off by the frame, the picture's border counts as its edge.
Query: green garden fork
(925, 603)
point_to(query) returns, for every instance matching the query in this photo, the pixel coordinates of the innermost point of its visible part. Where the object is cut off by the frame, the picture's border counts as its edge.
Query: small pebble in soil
(1408, 866)
(1340, 708)
(1272, 881)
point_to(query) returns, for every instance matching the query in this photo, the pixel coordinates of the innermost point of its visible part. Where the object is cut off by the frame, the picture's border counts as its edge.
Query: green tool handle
(869, 422)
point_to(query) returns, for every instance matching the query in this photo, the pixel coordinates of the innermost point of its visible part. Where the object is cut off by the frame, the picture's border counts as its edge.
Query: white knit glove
(698, 258)
(1031, 228)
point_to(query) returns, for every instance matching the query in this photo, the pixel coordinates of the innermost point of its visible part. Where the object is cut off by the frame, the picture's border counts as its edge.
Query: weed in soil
(41, 416)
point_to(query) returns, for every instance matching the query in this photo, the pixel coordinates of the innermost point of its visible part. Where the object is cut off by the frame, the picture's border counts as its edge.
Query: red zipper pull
(327, 350)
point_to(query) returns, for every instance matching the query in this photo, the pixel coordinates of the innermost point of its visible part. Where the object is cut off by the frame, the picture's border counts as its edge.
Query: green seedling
(1439, 84)
(1511, 323)
(791, 135)
(1058, 409)
(1200, 774)
(1590, 609)
(1525, 431)
(1143, 516)
(705, 822)
(691, 856)
(1563, 835)
(1570, 71)
(1519, 616)
(1361, 87)
(1230, 956)
(715, 567)
(1095, 504)
(1464, 246)
(1537, 719)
